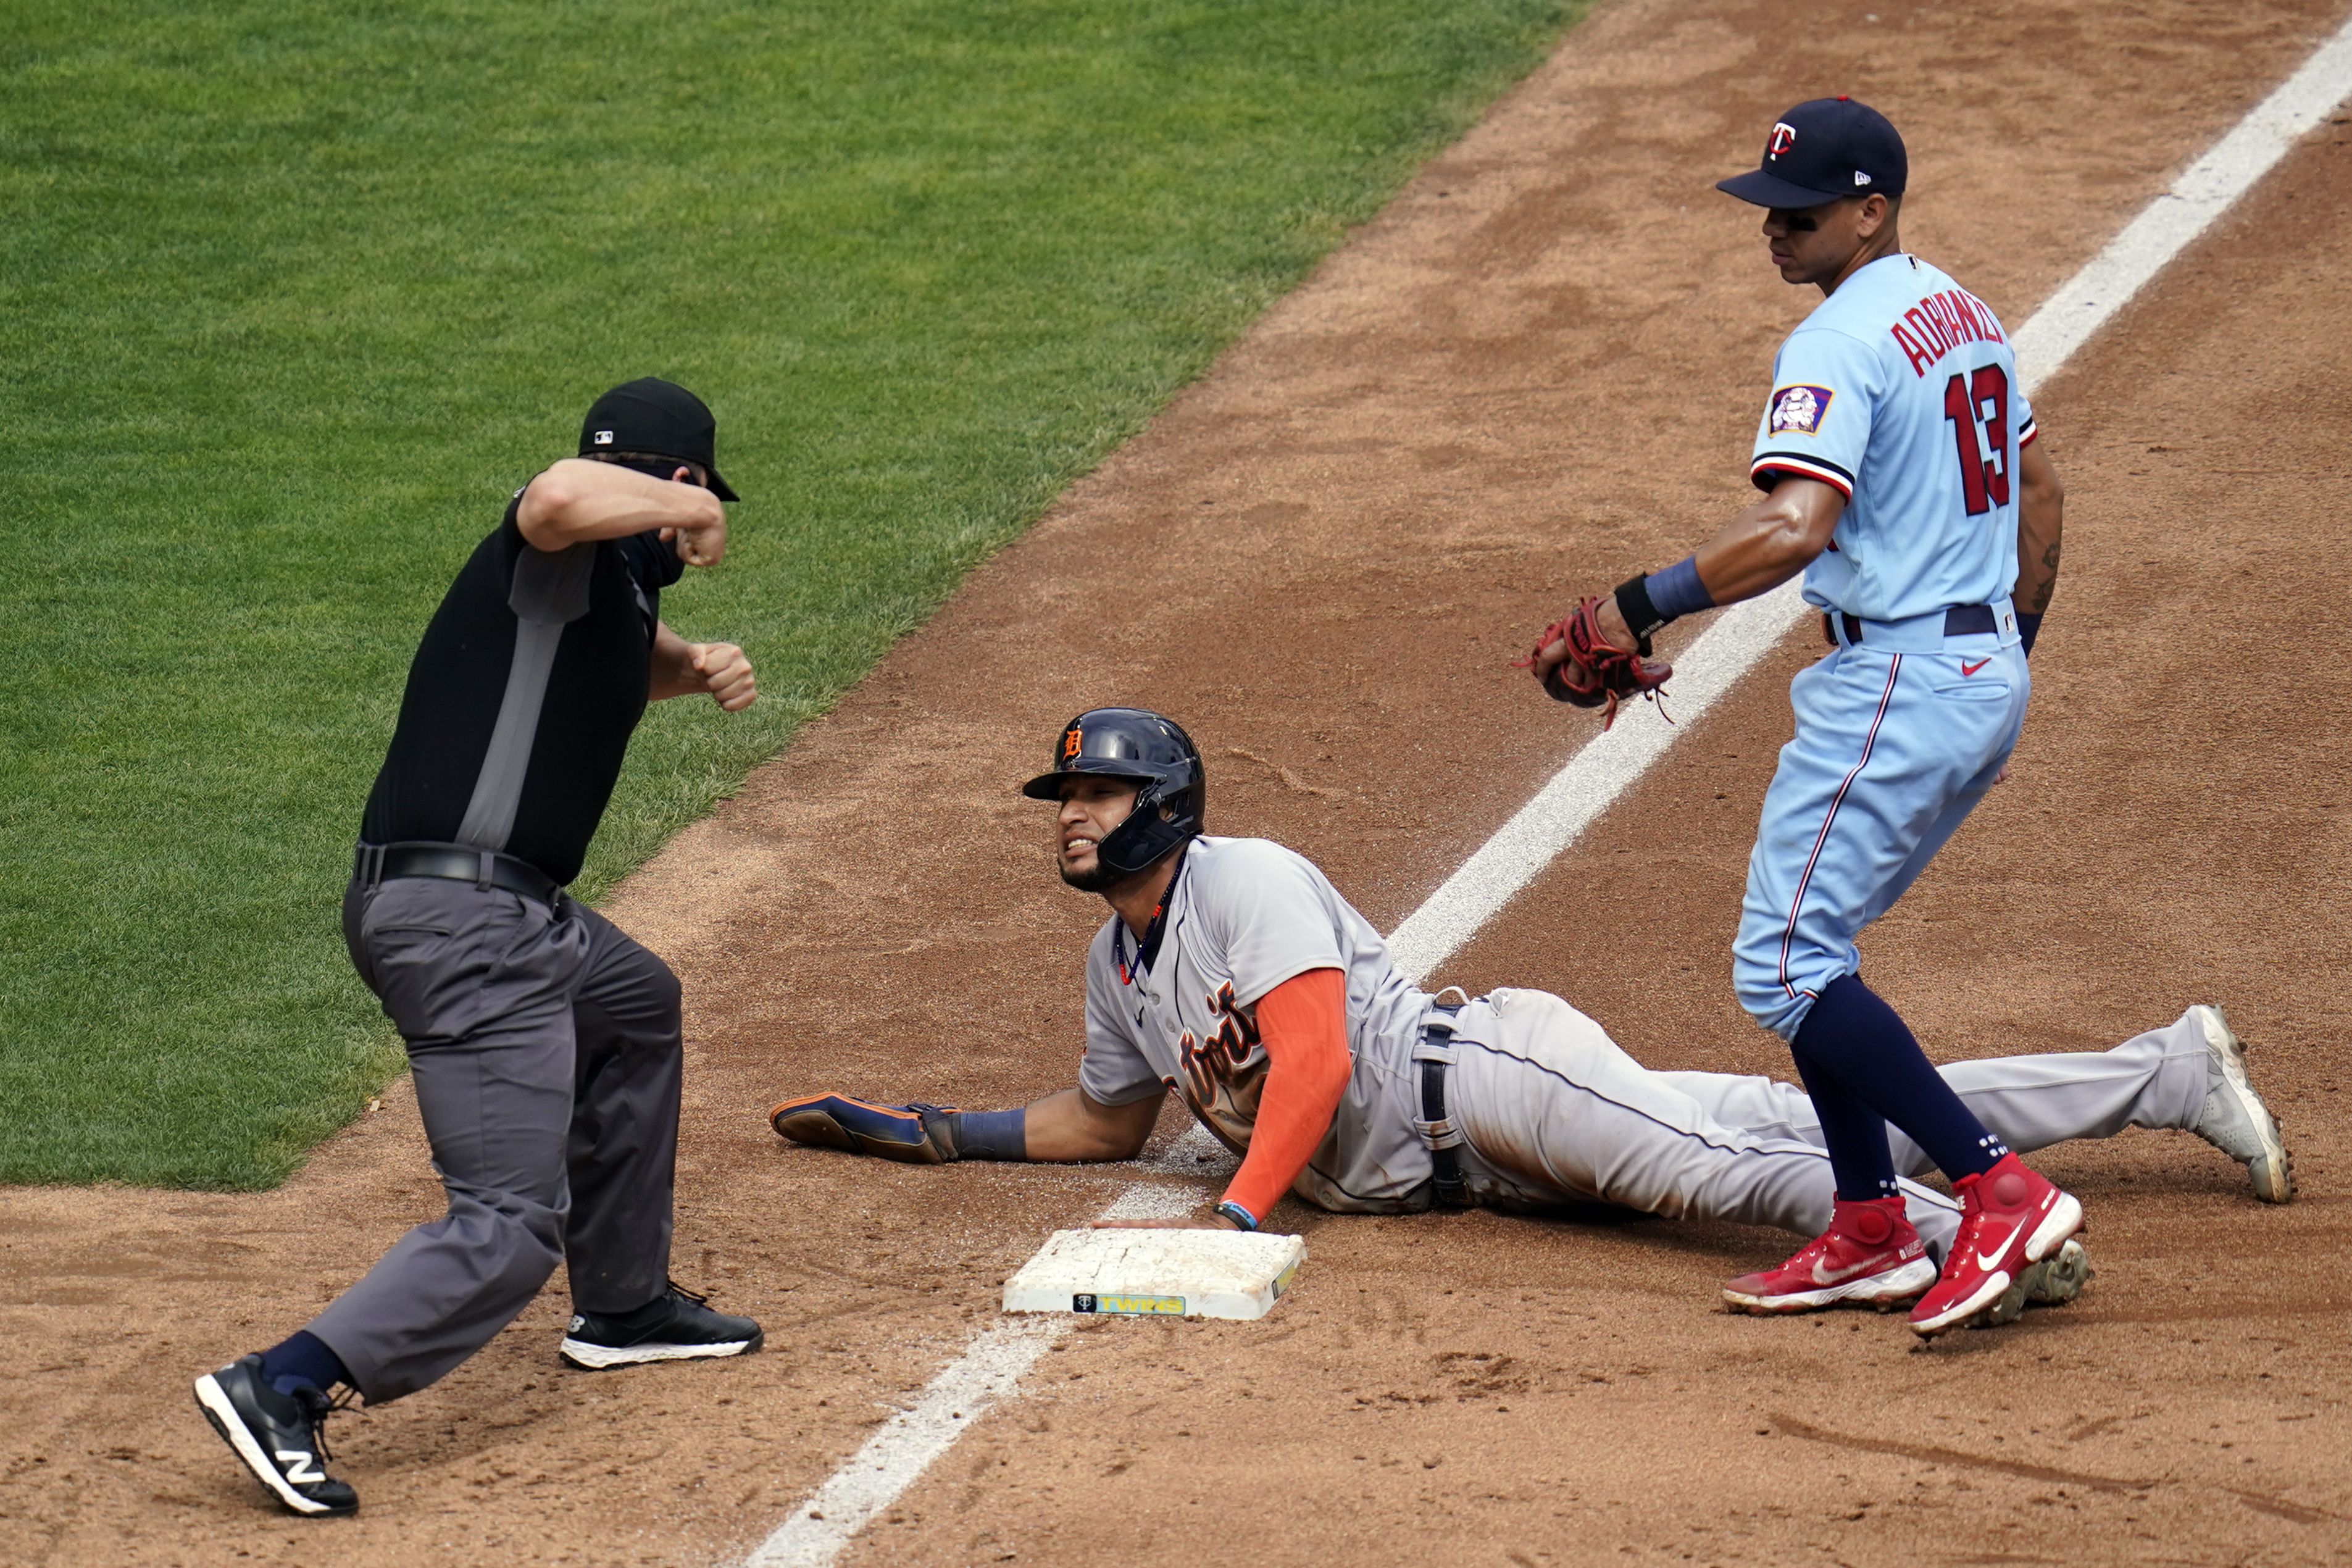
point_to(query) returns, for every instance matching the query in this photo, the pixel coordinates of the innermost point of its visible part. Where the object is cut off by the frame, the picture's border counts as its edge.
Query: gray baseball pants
(546, 1050)
(1551, 1110)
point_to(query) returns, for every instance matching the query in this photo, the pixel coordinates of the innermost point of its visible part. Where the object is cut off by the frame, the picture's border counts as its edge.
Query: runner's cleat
(2010, 1218)
(2235, 1120)
(1870, 1255)
(2053, 1282)
(676, 1326)
(280, 1437)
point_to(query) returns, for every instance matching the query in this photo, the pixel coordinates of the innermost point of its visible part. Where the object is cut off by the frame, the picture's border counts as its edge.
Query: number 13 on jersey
(1977, 401)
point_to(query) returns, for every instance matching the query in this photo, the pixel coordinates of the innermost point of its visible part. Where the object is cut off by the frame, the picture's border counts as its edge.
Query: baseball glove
(918, 1134)
(1597, 671)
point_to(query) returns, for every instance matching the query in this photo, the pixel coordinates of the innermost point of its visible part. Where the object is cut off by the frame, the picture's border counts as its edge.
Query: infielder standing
(1897, 451)
(544, 1043)
(1231, 971)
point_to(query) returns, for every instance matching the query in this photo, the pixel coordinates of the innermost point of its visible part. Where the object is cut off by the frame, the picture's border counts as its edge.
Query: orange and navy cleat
(918, 1134)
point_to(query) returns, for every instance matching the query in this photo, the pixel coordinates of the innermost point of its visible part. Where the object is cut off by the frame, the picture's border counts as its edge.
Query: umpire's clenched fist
(725, 672)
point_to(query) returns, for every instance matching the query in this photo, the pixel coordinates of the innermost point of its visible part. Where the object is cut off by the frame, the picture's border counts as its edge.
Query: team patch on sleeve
(1798, 410)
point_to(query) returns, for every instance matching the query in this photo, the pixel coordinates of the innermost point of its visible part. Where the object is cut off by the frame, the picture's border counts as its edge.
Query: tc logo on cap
(603, 437)
(1783, 137)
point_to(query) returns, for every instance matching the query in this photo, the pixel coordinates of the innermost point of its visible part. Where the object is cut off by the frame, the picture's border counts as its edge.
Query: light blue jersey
(1900, 390)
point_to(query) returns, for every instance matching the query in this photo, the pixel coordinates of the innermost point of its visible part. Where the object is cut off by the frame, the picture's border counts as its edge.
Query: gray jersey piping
(549, 592)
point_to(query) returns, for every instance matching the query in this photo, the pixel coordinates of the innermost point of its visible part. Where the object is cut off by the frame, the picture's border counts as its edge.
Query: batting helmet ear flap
(1150, 752)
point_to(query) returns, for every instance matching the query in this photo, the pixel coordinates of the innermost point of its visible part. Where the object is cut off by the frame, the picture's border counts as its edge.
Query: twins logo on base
(1133, 1306)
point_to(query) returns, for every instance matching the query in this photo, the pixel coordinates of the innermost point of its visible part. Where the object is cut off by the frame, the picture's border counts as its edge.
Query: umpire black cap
(1821, 150)
(659, 418)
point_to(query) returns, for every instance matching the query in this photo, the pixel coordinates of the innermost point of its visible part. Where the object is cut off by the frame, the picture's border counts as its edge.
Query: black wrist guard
(1641, 616)
(939, 1127)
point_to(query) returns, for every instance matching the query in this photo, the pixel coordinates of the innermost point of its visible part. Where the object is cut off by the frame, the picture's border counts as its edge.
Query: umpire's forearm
(576, 500)
(672, 671)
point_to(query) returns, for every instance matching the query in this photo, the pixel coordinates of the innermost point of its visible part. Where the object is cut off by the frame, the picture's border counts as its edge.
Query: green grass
(292, 296)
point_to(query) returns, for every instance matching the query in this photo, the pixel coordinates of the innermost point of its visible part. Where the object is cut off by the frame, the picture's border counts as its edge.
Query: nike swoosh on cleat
(1968, 668)
(1824, 1274)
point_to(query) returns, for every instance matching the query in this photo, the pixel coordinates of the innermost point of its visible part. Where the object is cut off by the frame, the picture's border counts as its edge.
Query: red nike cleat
(2010, 1218)
(1870, 1254)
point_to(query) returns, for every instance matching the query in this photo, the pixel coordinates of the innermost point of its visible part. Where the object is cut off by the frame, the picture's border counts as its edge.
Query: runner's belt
(485, 869)
(1445, 1158)
(1959, 621)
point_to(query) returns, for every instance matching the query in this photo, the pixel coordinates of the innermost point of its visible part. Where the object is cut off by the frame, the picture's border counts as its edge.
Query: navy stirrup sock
(1855, 1134)
(302, 1359)
(1851, 1037)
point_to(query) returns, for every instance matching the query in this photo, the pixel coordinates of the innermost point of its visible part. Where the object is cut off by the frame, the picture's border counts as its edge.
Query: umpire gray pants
(1551, 1109)
(546, 1050)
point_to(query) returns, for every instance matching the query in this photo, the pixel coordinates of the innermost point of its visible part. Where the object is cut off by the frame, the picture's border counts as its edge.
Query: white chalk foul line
(2204, 190)
(1602, 770)
(992, 1365)
(907, 1444)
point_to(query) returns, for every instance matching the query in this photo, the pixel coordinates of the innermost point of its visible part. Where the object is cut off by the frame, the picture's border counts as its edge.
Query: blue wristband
(1238, 1214)
(1676, 591)
(992, 1134)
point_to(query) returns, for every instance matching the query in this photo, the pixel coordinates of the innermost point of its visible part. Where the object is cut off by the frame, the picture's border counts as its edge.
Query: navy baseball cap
(659, 418)
(1821, 150)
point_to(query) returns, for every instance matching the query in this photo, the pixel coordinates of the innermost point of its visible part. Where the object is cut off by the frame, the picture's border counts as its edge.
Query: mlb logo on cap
(603, 437)
(1821, 150)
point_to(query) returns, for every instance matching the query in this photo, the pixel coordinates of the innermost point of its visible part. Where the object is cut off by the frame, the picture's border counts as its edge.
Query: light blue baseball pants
(1897, 739)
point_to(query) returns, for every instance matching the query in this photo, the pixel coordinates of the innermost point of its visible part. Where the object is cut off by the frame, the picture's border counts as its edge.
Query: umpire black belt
(485, 868)
(1959, 621)
(1444, 1145)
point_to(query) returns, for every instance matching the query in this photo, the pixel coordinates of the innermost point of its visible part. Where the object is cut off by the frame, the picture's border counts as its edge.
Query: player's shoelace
(1964, 1241)
(343, 1401)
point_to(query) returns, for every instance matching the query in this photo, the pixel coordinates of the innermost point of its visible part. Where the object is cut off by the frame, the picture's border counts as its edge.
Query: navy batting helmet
(1153, 753)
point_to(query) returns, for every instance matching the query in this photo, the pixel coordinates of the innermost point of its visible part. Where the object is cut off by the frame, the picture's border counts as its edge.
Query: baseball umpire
(1901, 476)
(544, 1043)
(1232, 972)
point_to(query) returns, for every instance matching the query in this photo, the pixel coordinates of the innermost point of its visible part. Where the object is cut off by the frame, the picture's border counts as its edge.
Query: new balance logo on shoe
(301, 1466)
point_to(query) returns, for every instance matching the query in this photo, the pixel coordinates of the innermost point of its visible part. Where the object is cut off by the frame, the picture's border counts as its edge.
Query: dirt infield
(1538, 368)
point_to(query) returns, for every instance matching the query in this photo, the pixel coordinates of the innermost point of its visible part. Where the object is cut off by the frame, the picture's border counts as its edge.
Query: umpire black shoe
(675, 1326)
(280, 1436)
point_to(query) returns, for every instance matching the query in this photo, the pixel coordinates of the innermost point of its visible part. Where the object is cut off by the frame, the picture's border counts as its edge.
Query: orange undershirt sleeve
(1303, 1025)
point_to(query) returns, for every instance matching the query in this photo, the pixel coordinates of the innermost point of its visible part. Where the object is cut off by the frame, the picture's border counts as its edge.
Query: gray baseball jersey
(1243, 916)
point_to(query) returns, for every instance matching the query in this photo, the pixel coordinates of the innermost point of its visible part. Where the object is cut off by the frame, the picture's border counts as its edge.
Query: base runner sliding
(1231, 971)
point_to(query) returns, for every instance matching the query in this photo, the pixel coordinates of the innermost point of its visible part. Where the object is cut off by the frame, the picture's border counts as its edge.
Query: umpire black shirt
(523, 696)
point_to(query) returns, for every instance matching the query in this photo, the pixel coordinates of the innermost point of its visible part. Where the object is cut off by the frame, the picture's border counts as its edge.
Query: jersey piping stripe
(549, 592)
(1911, 1190)
(2026, 433)
(1805, 468)
(1788, 933)
(497, 788)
